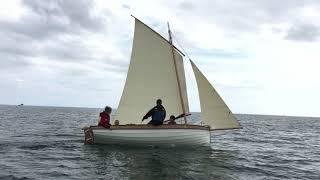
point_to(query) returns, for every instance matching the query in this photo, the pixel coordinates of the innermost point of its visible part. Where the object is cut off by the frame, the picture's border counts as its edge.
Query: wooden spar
(177, 75)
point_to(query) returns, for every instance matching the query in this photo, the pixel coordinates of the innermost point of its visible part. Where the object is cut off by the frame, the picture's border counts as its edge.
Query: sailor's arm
(149, 113)
(182, 115)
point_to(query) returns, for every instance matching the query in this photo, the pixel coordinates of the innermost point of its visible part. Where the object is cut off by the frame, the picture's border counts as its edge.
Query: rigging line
(190, 74)
(187, 73)
(184, 51)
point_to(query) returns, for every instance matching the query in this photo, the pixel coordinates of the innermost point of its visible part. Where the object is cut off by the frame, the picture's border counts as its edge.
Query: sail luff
(214, 111)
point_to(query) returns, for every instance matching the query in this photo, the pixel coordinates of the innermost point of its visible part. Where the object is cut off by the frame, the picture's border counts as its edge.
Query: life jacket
(158, 114)
(104, 120)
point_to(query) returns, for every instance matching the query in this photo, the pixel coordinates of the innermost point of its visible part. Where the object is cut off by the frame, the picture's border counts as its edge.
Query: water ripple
(46, 143)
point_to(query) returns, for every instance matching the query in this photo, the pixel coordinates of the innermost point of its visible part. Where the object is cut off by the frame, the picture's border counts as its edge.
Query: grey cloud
(303, 32)
(101, 65)
(83, 85)
(193, 48)
(11, 62)
(245, 15)
(58, 50)
(35, 27)
(241, 84)
(114, 65)
(186, 5)
(115, 61)
(220, 53)
(16, 45)
(74, 72)
(54, 17)
(72, 50)
(41, 33)
(75, 13)
(117, 69)
(126, 6)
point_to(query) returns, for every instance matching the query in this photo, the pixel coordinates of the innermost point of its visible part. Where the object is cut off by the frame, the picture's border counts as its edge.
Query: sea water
(47, 143)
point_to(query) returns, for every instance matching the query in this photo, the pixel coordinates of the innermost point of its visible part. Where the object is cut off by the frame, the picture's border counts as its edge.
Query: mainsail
(151, 76)
(214, 111)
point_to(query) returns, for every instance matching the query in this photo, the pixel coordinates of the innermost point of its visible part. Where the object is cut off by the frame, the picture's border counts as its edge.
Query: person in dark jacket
(157, 113)
(105, 117)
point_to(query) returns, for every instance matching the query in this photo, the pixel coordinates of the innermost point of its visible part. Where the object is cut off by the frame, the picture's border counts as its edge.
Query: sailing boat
(156, 71)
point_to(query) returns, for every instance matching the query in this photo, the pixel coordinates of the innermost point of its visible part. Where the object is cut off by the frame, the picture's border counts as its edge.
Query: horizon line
(190, 111)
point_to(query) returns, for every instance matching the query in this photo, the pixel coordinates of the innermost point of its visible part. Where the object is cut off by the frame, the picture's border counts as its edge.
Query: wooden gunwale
(151, 127)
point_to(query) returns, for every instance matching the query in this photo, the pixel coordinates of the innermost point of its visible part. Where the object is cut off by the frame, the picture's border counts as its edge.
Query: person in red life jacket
(172, 119)
(105, 117)
(157, 113)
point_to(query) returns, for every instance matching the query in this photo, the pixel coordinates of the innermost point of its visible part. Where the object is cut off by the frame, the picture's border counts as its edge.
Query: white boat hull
(152, 136)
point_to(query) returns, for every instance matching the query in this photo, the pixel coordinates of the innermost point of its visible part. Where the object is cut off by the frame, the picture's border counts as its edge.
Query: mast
(177, 75)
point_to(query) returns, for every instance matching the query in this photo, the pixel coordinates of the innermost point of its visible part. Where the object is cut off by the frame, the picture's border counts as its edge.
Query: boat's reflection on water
(124, 162)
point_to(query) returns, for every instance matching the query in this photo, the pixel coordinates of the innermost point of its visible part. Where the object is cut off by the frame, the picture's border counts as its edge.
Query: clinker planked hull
(165, 135)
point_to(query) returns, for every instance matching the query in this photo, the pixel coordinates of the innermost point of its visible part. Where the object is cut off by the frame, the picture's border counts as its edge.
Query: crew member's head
(108, 109)
(172, 117)
(159, 101)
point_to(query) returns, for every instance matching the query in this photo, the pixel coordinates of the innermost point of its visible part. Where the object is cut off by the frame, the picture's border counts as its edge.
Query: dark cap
(108, 109)
(159, 101)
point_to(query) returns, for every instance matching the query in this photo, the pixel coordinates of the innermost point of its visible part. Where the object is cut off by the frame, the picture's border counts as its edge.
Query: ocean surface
(47, 143)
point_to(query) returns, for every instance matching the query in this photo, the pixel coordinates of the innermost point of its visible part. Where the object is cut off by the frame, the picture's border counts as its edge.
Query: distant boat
(156, 71)
(20, 105)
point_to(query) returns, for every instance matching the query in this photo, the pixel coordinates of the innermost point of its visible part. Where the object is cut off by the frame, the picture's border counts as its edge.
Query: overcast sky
(262, 56)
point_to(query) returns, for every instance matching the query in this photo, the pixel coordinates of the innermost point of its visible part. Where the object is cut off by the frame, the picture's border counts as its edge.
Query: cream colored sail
(151, 76)
(214, 111)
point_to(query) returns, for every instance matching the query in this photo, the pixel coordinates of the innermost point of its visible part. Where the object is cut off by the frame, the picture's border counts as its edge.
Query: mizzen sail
(214, 111)
(151, 76)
